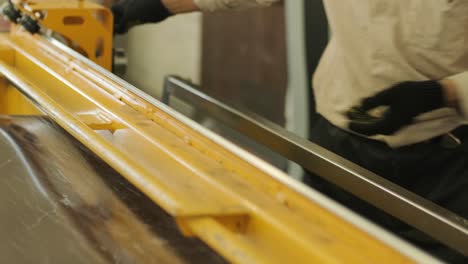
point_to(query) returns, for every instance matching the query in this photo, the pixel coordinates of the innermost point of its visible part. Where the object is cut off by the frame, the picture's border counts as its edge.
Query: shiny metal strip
(416, 211)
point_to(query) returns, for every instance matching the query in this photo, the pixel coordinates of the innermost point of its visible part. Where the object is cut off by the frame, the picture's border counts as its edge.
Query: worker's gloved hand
(129, 13)
(405, 101)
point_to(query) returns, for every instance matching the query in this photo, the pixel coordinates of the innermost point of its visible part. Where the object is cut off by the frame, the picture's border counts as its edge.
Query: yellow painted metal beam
(215, 195)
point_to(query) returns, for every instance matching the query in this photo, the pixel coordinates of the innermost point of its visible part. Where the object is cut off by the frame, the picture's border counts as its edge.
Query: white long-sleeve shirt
(377, 43)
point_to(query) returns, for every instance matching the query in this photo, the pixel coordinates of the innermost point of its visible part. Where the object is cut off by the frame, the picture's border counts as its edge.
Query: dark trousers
(428, 169)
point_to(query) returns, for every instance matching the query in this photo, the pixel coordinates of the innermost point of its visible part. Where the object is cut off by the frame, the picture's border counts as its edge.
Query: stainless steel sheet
(60, 204)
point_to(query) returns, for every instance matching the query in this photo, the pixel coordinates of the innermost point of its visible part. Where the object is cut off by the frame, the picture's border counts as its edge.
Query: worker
(391, 92)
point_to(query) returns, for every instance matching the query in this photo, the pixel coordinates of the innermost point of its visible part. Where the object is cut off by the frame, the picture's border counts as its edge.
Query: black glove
(129, 13)
(405, 101)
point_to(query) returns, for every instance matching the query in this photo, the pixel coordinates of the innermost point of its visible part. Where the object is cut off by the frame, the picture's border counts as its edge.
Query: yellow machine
(85, 26)
(243, 209)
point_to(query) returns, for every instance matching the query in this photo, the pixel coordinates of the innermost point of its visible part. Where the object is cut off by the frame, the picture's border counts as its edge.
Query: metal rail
(414, 210)
(361, 223)
(215, 191)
